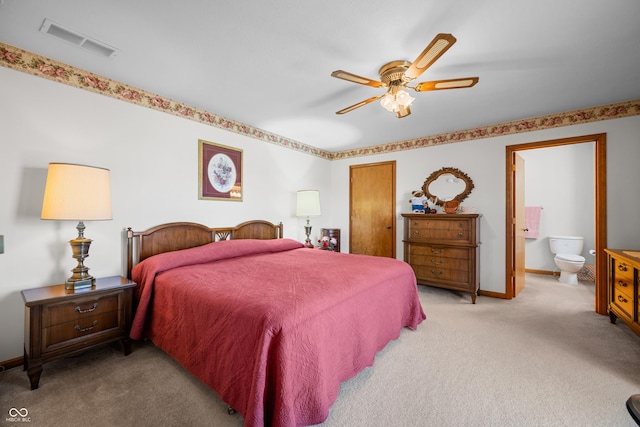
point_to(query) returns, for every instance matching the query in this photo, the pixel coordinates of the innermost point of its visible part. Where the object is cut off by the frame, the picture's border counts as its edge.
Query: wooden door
(372, 195)
(519, 227)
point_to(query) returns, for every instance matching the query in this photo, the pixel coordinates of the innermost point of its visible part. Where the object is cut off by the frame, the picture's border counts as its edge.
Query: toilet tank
(566, 244)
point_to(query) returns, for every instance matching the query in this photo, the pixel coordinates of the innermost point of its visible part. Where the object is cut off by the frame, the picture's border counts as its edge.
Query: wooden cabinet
(443, 250)
(61, 322)
(623, 287)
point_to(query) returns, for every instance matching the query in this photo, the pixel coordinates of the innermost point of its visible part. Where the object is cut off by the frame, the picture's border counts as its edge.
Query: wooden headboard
(174, 236)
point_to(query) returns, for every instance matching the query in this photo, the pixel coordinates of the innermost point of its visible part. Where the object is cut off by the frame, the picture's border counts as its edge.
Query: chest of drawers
(61, 322)
(623, 283)
(443, 250)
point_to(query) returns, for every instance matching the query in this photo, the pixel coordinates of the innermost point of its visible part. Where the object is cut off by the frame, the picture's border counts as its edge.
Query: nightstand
(60, 322)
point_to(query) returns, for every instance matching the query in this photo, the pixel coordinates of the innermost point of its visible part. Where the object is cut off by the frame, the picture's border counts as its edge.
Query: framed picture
(219, 172)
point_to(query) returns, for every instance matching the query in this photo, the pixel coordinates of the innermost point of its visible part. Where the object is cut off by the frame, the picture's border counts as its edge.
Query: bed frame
(174, 236)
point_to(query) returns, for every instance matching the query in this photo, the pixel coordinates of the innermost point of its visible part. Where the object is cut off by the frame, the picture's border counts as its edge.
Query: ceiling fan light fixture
(389, 103)
(403, 98)
(394, 101)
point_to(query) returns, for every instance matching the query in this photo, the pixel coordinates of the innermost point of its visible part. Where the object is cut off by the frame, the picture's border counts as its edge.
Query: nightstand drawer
(67, 333)
(78, 309)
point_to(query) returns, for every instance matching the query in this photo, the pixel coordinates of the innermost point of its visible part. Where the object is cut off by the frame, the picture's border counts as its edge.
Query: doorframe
(600, 211)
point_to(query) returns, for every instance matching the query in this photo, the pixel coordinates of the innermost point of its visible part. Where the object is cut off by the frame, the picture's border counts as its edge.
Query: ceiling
(268, 64)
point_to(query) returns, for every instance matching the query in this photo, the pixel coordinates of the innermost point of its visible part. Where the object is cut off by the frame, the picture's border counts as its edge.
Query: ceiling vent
(92, 45)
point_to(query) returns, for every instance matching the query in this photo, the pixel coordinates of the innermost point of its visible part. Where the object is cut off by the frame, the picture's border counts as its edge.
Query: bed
(272, 326)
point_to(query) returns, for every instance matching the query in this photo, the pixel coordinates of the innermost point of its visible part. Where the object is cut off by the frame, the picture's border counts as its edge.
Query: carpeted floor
(542, 359)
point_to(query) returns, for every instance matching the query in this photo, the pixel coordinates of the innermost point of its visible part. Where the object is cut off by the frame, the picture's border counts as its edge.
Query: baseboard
(492, 294)
(11, 363)
(530, 270)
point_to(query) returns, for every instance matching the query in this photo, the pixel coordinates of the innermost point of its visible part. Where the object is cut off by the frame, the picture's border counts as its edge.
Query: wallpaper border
(31, 63)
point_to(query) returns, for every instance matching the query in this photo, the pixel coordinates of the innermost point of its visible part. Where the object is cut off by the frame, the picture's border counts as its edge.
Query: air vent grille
(80, 40)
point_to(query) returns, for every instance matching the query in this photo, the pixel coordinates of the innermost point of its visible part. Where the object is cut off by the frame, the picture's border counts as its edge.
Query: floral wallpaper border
(22, 60)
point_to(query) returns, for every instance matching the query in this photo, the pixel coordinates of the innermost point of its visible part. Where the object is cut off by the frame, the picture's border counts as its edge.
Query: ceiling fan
(396, 76)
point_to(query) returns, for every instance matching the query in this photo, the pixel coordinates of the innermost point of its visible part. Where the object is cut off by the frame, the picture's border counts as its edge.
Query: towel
(531, 221)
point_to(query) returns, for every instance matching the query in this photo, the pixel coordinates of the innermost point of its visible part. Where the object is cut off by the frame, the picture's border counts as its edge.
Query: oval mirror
(447, 184)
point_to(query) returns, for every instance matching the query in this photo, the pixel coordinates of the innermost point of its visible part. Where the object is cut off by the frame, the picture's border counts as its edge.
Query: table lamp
(308, 204)
(79, 193)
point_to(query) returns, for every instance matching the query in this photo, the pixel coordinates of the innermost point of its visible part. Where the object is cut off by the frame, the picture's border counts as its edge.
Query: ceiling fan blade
(447, 84)
(344, 75)
(358, 105)
(438, 46)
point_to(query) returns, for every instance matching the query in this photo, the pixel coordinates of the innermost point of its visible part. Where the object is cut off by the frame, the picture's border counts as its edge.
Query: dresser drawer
(419, 250)
(429, 273)
(425, 230)
(79, 308)
(70, 333)
(623, 271)
(622, 300)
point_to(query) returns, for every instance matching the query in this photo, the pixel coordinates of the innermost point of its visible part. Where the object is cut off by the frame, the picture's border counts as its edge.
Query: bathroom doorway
(514, 207)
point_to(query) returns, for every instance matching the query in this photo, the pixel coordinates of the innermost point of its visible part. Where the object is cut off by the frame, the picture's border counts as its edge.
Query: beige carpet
(542, 359)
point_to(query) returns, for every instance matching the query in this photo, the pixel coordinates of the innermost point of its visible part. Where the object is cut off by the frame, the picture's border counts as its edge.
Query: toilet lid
(570, 257)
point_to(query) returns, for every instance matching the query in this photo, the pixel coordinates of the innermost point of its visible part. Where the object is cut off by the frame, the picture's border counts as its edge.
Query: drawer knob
(87, 310)
(437, 251)
(622, 267)
(437, 273)
(88, 328)
(622, 283)
(433, 261)
(621, 298)
(460, 235)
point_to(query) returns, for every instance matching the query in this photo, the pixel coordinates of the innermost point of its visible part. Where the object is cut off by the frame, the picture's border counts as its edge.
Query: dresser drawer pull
(622, 267)
(460, 235)
(437, 251)
(437, 273)
(622, 283)
(88, 310)
(621, 298)
(433, 261)
(79, 329)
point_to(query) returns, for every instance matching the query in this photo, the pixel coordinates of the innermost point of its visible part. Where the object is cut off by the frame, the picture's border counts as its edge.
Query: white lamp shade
(308, 203)
(76, 192)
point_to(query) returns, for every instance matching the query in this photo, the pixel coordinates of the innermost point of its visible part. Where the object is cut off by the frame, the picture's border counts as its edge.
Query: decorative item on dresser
(443, 250)
(60, 322)
(624, 287)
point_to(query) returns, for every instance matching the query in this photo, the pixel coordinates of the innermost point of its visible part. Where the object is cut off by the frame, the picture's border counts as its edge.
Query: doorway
(372, 206)
(600, 214)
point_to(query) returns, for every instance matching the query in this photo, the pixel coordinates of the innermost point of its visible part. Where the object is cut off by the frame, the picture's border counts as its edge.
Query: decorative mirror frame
(455, 172)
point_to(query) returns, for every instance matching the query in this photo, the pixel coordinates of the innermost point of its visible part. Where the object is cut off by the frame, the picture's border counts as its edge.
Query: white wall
(484, 161)
(562, 181)
(153, 158)
(153, 162)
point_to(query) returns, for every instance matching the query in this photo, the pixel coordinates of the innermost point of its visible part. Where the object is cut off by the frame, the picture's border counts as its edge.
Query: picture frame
(219, 172)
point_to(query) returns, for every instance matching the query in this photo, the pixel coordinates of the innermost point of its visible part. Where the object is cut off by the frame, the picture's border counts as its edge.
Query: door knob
(388, 227)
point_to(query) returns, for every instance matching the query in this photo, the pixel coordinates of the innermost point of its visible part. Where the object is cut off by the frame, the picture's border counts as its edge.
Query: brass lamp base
(80, 279)
(307, 231)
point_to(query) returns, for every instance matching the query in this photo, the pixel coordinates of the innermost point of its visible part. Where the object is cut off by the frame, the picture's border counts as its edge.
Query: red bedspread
(272, 326)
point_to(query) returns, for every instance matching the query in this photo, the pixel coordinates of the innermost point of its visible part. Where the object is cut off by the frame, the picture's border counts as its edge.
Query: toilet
(567, 250)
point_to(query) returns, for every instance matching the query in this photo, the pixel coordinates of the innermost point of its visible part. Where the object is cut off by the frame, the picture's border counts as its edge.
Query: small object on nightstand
(332, 233)
(60, 322)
